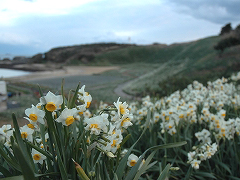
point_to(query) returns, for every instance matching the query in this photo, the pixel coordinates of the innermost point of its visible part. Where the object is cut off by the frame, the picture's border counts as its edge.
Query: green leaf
(134, 169)
(205, 174)
(232, 177)
(115, 176)
(189, 173)
(14, 178)
(20, 142)
(144, 166)
(223, 166)
(62, 91)
(164, 173)
(39, 150)
(62, 168)
(125, 139)
(106, 172)
(10, 161)
(40, 90)
(123, 163)
(5, 171)
(54, 174)
(74, 98)
(27, 170)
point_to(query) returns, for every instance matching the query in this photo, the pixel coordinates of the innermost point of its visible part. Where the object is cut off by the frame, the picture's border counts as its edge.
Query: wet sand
(65, 72)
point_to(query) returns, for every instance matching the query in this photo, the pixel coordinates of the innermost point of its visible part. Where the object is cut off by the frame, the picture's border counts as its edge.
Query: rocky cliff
(82, 53)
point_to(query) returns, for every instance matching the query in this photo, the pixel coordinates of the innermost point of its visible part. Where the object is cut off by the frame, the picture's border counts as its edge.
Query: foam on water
(12, 73)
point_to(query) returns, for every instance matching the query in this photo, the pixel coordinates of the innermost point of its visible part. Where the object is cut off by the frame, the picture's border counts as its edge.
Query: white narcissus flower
(26, 133)
(97, 124)
(121, 107)
(67, 116)
(132, 160)
(84, 96)
(51, 101)
(195, 164)
(87, 99)
(37, 156)
(125, 121)
(4, 130)
(35, 115)
(115, 140)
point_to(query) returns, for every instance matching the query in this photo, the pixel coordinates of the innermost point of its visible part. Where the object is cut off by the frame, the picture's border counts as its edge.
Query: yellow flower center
(181, 116)
(36, 157)
(24, 135)
(50, 106)
(88, 104)
(33, 117)
(88, 140)
(114, 143)
(122, 109)
(133, 162)
(69, 120)
(94, 126)
(30, 126)
(125, 120)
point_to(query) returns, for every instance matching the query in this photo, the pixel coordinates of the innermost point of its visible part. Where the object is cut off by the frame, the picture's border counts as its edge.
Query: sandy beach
(65, 71)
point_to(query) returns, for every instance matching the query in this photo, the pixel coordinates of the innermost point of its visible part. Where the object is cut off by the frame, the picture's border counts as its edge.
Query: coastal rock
(38, 58)
(20, 60)
(81, 53)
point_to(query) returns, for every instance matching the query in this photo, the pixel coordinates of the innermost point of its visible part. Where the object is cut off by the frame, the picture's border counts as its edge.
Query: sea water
(6, 73)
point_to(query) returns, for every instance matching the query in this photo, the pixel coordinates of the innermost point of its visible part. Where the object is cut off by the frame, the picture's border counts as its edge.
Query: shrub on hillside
(226, 43)
(226, 29)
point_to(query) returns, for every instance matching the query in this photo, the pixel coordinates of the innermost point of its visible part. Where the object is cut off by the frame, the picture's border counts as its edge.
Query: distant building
(3, 88)
(3, 96)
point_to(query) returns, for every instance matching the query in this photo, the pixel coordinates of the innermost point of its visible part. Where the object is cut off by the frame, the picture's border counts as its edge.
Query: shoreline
(65, 71)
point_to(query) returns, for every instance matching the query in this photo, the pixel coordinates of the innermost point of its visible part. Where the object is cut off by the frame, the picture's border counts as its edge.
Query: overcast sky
(36, 26)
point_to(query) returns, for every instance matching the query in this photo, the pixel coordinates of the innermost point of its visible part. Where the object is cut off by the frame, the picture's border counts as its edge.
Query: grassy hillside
(136, 54)
(179, 64)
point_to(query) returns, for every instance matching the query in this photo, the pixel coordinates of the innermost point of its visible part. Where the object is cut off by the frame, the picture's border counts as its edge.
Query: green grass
(154, 69)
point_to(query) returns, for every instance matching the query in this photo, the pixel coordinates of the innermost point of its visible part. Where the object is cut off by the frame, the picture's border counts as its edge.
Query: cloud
(44, 24)
(216, 11)
(11, 11)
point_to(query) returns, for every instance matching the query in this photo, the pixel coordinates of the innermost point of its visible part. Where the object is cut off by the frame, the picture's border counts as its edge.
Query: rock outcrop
(82, 53)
